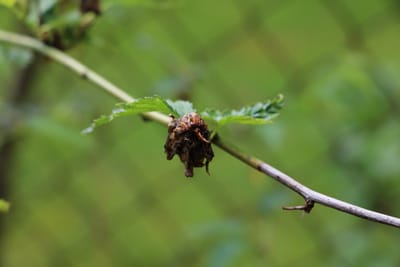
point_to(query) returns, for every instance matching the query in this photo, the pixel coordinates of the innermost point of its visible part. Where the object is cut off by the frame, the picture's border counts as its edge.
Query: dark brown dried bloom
(188, 137)
(90, 6)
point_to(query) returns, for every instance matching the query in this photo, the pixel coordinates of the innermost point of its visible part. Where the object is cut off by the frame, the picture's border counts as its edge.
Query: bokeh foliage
(111, 198)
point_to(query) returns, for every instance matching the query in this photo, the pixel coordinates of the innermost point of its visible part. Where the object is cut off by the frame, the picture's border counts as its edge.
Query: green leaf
(180, 107)
(7, 3)
(141, 105)
(18, 6)
(260, 113)
(4, 205)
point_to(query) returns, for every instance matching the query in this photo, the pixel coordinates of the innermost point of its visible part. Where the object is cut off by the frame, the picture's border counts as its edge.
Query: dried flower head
(188, 137)
(90, 6)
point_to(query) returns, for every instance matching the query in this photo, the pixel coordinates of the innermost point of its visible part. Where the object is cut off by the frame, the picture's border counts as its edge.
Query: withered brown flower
(188, 137)
(90, 6)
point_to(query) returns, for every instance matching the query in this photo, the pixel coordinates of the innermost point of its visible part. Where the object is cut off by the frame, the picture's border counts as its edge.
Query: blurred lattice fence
(111, 199)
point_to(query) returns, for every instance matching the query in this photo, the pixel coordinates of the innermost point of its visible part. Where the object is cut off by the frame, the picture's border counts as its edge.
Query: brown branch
(310, 196)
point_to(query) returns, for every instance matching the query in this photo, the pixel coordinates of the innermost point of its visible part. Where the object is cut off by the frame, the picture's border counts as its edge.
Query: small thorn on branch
(307, 207)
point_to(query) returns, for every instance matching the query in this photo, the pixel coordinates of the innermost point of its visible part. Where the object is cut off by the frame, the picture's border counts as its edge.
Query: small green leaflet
(4, 205)
(141, 105)
(260, 113)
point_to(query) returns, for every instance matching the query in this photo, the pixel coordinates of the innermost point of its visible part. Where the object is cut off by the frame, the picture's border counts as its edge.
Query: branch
(78, 68)
(310, 196)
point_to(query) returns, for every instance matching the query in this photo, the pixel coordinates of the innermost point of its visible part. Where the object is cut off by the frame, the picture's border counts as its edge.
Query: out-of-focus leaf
(180, 107)
(260, 113)
(67, 19)
(18, 6)
(7, 3)
(4, 205)
(141, 105)
(37, 13)
(46, 5)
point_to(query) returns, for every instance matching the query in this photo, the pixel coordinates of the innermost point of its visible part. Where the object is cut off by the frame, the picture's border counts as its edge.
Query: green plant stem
(310, 196)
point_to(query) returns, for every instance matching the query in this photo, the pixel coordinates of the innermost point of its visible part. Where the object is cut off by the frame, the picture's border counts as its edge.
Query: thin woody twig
(310, 196)
(307, 207)
(77, 67)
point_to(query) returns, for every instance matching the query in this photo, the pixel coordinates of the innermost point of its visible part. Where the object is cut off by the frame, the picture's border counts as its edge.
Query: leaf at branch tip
(4, 205)
(141, 105)
(259, 113)
(180, 107)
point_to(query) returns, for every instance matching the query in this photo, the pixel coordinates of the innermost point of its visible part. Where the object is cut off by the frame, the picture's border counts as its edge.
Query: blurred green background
(112, 199)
